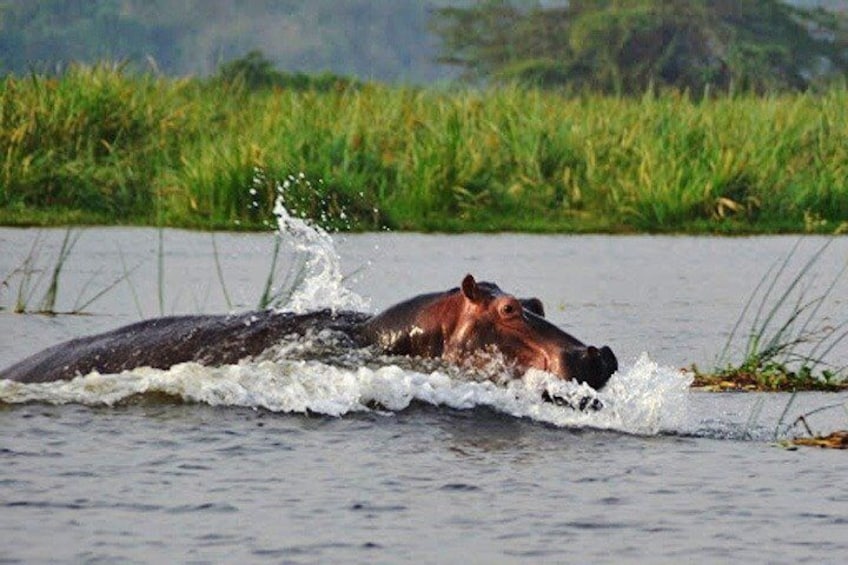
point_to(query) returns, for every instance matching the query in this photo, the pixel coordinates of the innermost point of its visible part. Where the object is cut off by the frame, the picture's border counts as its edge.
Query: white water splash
(642, 399)
(321, 284)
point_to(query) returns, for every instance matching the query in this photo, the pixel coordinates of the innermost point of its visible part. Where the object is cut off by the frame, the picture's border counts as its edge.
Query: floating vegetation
(833, 440)
(788, 348)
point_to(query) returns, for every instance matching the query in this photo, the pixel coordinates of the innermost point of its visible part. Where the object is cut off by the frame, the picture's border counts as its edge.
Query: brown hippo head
(478, 317)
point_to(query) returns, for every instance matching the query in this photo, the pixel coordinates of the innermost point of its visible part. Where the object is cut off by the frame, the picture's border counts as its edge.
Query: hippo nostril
(609, 360)
(590, 365)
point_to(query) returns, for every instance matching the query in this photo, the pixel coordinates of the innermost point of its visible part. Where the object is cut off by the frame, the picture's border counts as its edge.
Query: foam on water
(643, 398)
(295, 377)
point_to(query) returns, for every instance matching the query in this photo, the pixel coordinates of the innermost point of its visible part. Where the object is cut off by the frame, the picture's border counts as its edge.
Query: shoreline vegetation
(787, 344)
(102, 145)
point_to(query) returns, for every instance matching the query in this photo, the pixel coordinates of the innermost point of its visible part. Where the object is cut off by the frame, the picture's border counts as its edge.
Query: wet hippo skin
(454, 325)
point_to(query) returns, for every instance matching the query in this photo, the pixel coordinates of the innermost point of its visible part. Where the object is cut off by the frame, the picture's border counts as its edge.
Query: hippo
(454, 325)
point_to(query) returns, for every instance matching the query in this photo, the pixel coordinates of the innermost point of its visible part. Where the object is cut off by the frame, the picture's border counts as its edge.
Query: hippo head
(517, 328)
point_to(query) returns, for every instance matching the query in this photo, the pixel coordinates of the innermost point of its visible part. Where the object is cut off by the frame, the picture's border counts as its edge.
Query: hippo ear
(470, 289)
(533, 305)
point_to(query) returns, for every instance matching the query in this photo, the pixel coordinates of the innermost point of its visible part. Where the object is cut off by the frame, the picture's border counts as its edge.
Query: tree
(627, 46)
(256, 72)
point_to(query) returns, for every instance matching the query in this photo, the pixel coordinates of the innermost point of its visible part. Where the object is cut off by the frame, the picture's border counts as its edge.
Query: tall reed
(99, 144)
(29, 278)
(787, 344)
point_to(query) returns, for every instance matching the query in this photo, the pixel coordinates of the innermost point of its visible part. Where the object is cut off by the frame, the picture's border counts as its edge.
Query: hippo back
(164, 342)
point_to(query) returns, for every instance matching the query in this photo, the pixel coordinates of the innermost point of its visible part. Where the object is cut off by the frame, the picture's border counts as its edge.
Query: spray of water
(299, 377)
(314, 278)
(643, 398)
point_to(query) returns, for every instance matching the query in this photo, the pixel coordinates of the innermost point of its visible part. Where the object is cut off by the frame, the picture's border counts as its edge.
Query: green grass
(98, 145)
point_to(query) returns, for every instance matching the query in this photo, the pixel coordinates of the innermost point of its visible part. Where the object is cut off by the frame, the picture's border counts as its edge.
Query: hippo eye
(508, 309)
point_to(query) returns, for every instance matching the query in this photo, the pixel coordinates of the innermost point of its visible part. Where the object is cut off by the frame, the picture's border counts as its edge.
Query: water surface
(301, 461)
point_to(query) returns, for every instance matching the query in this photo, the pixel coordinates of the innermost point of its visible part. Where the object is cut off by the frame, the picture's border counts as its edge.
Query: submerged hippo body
(454, 325)
(163, 342)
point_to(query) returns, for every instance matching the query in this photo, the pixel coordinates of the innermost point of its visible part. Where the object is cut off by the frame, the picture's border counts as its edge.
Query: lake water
(290, 462)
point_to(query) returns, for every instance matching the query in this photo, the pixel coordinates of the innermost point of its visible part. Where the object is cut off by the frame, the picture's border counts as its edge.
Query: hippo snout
(591, 365)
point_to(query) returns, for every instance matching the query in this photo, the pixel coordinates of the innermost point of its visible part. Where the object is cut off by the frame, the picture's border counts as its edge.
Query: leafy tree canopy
(628, 46)
(255, 71)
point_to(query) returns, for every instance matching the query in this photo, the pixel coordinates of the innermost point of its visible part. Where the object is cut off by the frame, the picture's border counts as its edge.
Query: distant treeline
(384, 40)
(98, 144)
(630, 46)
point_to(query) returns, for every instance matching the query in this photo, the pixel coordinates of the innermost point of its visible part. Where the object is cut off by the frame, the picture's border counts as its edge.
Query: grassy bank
(101, 146)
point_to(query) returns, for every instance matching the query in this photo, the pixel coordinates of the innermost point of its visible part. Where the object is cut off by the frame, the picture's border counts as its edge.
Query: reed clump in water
(27, 280)
(101, 145)
(787, 348)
